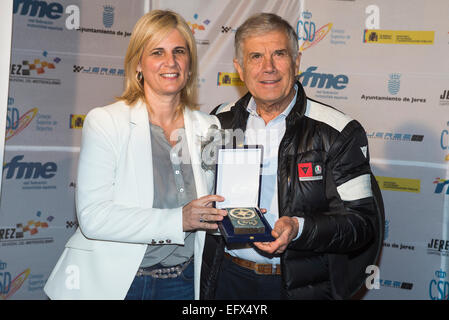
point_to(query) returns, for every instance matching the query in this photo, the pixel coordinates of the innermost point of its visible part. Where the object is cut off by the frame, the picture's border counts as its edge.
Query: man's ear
(239, 69)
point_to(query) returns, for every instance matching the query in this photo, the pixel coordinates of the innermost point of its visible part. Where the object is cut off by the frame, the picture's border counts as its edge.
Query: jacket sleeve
(100, 215)
(352, 220)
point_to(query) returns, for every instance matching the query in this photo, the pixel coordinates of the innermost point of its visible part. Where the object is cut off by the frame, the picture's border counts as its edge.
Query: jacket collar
(297, 111)
(138, 113)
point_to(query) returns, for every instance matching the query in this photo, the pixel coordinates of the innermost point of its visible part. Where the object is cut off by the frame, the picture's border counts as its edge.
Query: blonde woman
(143, 201)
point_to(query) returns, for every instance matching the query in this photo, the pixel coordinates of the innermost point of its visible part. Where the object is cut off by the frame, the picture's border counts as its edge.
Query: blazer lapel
(193, 134)
(139, 153)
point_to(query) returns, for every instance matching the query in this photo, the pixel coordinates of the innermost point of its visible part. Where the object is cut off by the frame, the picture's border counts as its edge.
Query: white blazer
(114, 204)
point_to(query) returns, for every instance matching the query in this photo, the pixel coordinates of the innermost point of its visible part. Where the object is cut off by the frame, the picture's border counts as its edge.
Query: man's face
(268, 69)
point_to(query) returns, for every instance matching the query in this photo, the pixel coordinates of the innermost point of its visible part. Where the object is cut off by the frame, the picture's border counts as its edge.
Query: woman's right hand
(199, 214)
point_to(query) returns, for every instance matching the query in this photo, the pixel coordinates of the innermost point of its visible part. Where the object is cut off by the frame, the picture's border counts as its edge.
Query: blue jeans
(149, 288)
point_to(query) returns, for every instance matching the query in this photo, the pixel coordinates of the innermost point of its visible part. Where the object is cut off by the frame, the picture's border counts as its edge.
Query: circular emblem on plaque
(242, 213)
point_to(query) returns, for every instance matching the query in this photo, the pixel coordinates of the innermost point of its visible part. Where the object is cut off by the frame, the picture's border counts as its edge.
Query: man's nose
(268, 64)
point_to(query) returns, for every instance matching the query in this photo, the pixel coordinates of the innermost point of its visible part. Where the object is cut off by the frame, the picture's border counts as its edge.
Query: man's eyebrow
(281, 50)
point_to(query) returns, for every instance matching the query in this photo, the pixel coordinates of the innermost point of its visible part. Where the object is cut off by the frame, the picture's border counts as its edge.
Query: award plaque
(245, 220)
(238, 175)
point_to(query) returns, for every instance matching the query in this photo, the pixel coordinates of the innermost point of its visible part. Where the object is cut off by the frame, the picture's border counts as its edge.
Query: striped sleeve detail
(328, 115)
(355, 189)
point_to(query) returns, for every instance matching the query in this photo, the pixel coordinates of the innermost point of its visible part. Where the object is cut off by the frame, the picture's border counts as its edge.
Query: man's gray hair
(262, 23)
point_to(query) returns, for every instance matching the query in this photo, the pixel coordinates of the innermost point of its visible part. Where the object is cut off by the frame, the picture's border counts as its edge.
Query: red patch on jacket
(305, 170)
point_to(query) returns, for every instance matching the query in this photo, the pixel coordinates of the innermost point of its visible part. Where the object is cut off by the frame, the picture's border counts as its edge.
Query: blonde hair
(150, 30)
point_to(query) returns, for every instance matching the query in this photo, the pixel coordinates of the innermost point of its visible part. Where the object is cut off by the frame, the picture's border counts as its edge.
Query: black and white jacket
(324, 176)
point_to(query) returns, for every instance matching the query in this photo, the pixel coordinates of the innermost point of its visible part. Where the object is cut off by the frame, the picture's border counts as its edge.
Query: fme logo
(40, 9)
(440, 184)
(49, 10)
(29, 170)
(320, 80)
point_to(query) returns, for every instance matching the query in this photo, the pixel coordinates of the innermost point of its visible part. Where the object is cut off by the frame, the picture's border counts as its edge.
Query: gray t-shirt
(174, 186)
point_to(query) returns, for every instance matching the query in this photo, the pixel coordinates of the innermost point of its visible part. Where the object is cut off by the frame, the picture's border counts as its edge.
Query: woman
(141, 206)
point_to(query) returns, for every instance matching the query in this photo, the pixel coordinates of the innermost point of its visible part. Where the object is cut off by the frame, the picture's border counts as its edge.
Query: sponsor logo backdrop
(66, 58)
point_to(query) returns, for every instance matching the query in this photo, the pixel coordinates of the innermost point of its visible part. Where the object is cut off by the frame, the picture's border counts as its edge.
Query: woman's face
(165, 67)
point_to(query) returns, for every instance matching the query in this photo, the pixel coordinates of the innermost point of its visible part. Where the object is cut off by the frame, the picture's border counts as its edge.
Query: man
(321, 198)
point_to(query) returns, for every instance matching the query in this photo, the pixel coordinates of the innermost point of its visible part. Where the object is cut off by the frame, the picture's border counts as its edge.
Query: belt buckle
(261, 269)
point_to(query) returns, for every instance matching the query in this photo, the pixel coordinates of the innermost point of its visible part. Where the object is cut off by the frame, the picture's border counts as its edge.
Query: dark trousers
(235, 282)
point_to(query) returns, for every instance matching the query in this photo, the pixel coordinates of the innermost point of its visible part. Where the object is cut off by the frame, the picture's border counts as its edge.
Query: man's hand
(199, 214)
(285, 229)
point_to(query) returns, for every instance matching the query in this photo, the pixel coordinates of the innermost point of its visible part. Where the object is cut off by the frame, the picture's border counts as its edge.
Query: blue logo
(305, 28)
(439, 287)
(394, 83)
(395, 136)
(444, 139)
(12, 118)
(396, 284)
(440, 184)
(108, 16)
(29, 170)
(387, 229)
(5, 279)
(35, 8)
(320, 80)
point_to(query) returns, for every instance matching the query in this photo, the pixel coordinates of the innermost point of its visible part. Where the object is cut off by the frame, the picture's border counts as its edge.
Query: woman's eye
(156, 53)
(180, 51)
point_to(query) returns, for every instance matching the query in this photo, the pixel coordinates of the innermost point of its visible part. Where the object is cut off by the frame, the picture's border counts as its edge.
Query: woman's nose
(170, 59)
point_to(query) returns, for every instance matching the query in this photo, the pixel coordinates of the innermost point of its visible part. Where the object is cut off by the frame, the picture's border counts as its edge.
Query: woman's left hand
(199, 213)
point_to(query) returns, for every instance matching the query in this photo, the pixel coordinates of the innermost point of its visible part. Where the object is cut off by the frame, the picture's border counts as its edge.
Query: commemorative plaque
(238, 175)
(245, 220)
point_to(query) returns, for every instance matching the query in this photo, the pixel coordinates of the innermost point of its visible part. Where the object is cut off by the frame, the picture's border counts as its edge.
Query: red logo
(305, 170)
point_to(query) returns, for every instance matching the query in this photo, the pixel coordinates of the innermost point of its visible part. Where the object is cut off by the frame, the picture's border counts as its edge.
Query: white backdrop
(383, 63)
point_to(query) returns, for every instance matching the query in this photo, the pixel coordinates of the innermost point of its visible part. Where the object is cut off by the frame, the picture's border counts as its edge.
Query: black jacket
(338, 198)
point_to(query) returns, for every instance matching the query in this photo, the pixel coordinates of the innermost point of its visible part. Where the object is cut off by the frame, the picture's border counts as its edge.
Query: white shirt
(270, 136)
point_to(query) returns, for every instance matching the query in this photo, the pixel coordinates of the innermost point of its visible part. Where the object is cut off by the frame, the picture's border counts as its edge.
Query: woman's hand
(199, 214)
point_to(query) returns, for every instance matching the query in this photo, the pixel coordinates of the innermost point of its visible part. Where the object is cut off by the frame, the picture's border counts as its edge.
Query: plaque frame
(225, 226)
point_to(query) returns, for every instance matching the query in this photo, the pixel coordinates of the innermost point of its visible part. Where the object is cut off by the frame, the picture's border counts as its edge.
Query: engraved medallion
(245, 220)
